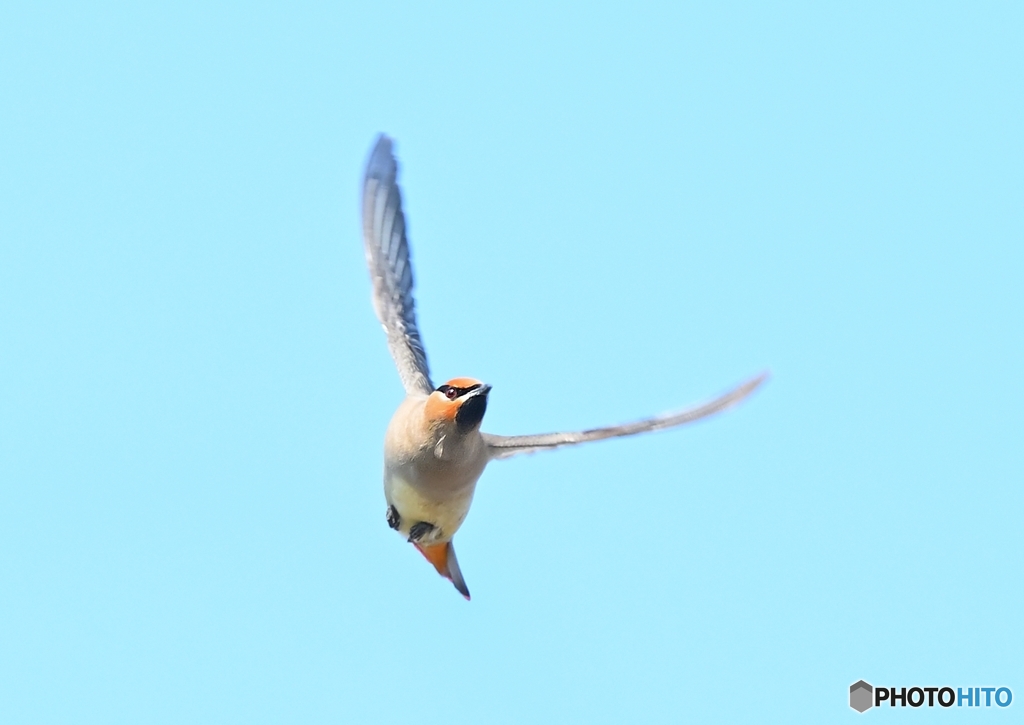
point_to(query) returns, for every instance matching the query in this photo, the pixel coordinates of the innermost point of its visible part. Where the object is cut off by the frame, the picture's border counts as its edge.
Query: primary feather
(505, 446)
(387, 256)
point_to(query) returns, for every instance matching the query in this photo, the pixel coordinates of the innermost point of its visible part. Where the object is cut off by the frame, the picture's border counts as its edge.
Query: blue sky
(613, 211)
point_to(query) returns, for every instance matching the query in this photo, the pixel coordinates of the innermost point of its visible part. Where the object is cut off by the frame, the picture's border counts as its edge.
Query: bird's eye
(449, 391)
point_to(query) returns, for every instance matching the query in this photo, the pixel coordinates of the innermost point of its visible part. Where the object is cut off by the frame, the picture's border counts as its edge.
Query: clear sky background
(613, 211)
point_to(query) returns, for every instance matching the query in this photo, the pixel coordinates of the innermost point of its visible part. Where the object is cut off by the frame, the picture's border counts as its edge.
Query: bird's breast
(430, 473)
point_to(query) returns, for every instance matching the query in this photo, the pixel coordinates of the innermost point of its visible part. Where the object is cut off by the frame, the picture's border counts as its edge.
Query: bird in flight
(434, 450)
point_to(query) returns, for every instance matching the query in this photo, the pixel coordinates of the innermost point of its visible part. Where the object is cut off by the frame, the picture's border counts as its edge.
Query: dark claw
(394, 520)
(419, 530)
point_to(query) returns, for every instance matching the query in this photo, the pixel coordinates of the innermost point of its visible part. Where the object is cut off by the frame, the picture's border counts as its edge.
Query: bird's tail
(442, 556)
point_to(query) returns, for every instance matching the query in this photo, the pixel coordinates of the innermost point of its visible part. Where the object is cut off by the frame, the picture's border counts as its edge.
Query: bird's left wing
(387, 255)
(505, 446)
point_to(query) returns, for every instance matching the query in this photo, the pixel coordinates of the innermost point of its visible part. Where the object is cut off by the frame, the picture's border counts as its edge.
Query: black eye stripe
(459, 392)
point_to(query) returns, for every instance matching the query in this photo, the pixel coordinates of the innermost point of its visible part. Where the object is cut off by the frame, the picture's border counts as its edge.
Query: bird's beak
(484, 389)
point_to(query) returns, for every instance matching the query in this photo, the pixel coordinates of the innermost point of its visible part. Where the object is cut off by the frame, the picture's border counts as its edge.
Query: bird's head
(460, 401)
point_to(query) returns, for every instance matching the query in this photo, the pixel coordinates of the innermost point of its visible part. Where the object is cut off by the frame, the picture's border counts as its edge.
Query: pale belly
(445, 513)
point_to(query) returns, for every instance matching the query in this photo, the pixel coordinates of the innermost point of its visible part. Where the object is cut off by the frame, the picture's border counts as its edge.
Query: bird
(434, 449)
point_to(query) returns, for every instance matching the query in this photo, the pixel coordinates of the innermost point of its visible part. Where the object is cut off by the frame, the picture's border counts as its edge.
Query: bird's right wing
(387, 256)
(505, 446)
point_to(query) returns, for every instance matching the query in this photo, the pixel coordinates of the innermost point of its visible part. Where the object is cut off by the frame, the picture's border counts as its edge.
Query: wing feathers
(506, 446)
(387, 256)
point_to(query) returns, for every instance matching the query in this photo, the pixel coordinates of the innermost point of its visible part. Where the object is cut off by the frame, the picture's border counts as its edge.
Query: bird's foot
(394, 520)
(422, 530)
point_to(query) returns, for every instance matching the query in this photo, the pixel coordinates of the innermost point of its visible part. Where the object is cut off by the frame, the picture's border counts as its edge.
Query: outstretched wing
(505, 446)
(387, 255)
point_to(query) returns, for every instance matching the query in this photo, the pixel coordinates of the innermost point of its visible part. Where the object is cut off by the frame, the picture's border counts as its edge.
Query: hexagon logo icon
(861, 696)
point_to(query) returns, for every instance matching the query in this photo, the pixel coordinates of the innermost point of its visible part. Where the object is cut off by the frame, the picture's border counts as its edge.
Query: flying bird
(434, 450)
